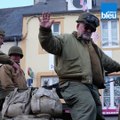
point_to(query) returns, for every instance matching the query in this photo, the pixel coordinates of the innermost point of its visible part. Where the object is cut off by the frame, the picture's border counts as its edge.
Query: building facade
(65, 16)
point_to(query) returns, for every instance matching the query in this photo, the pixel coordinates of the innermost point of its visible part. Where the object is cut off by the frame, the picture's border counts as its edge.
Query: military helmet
(15, 50)
(89, 19)
(2, 32)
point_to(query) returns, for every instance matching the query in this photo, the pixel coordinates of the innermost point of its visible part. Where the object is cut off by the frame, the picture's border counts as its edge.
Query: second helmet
(15, 50)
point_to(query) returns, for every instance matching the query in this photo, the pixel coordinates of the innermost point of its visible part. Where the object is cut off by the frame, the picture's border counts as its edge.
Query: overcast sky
(15, 3)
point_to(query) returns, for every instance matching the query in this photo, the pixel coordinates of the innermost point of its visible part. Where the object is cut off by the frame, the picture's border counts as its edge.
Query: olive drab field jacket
(4, 59)
(72, 58)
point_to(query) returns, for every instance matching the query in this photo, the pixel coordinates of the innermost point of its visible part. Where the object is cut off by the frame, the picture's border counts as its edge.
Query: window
(56, 28)
(111, 95)
(109, 33)
(94, 3)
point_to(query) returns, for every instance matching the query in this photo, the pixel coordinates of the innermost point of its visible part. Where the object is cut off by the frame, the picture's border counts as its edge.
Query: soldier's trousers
(83, 101)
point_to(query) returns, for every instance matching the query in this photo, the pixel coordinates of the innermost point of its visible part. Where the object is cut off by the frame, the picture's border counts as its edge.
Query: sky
(15, 3)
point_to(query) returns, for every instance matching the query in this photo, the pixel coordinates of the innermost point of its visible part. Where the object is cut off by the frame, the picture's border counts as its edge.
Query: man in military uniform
(9, 77)
(79, 64)
(5, 59)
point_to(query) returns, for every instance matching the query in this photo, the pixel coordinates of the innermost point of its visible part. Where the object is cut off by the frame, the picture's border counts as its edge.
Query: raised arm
(49, 42)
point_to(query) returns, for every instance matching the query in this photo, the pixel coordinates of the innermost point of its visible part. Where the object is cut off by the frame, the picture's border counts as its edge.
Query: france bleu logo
(108, 10)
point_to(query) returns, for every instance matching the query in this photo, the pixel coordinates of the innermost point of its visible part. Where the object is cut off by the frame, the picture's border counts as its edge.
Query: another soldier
(5, 59)
(9, 77)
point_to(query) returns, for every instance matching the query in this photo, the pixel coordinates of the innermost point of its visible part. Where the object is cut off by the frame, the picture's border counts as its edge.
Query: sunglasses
(88, 27)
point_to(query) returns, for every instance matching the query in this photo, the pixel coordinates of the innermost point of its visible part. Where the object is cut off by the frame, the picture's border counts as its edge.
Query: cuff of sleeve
(45, 29)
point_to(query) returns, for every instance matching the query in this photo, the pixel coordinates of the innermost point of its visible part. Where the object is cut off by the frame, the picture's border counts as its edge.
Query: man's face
(15, 57)
(1, 40)
(84, 31)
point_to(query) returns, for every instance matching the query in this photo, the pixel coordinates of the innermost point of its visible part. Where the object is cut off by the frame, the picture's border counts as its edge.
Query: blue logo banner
(108, 10)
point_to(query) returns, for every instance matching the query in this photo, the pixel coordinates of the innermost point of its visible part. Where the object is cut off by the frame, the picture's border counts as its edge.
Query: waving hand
(45, 20)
